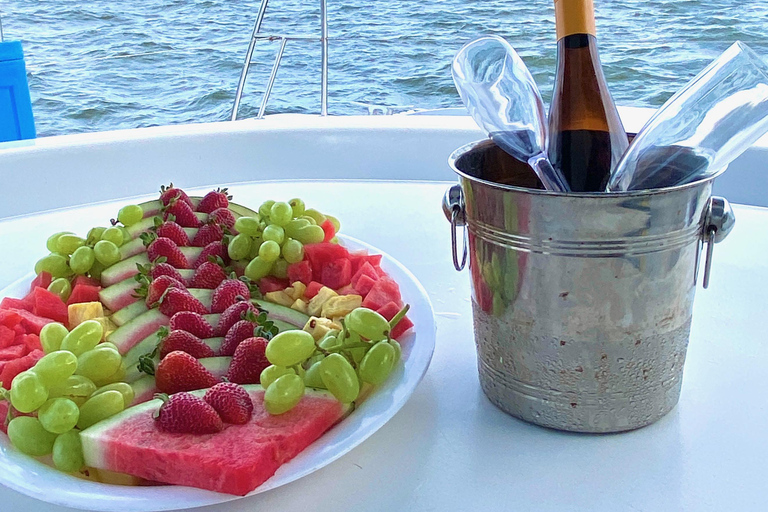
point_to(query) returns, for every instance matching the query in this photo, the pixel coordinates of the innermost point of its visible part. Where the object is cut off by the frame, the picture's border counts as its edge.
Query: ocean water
(107, 64)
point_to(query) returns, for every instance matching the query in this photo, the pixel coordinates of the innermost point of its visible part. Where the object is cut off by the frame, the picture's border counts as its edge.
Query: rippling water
(108, 64)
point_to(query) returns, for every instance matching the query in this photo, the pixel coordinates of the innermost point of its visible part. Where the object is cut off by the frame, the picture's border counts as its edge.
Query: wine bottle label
(574, 17)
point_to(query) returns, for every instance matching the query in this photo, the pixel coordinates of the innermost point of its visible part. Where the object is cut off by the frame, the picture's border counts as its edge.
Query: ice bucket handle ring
(717, 224)
(453, 208)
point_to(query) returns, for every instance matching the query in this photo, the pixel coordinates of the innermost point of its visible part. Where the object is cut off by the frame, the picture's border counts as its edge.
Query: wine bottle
(586, 135)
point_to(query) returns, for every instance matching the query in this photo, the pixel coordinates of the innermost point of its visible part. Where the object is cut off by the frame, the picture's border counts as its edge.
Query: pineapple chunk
(316, 302)
(279, 297)
(341, 305)
(108, 326)
(319, 327)
(300, 305)
(79, 313)
(296, 290)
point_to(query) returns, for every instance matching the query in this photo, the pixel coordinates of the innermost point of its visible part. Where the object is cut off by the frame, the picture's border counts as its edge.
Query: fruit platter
(193, 350)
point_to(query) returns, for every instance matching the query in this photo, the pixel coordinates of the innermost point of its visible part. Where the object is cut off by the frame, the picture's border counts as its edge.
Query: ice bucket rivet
(582, 303)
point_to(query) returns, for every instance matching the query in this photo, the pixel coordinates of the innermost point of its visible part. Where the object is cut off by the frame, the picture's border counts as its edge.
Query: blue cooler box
(16, 121)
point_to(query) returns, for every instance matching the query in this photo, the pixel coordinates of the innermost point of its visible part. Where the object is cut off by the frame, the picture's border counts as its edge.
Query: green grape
(68, 452)
(83, 337)
(292, 227)
(335, 222)
(61, 287)
(52, 242)
(28, 436)
(248, 226)
(130, 215)
(265, 208)
(293, 251)
(311, 220)
(274, 233)
(28, 392)
(68, 243)
(255, 246)
(51, 336)
(76, 388)
(257, 269)
(280, 269)
(310, 235)
(297, 206)
(100, 407)
(377, 363)
(357, 353)
(290, 347)
(117, 376)
(283, 394)
(114, 235)
(82, 260)
(312, 378)
(94, 235)
(368, 324)
(239, 247)
(54, 264)
(339, 378)
(316, 215)
(58, 415)
(127, 237)
(280, 213)
(106, 252)
(398, 350)
(124, 388)
(99, 363)
(96, 270)
(271, 373)
(54, 368)
(330, 340)
(269, 250)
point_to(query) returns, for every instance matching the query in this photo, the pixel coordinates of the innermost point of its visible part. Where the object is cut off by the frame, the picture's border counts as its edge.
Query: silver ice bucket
(582, 303)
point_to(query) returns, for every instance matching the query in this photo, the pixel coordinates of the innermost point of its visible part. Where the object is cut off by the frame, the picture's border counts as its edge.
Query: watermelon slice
(29, 322)
(336, 274)
(84, 293)
(15, 367)
(31, 341)
(272, 284)
(42, 280)
(7, 336)
(364, 284)
(388, 311)
(301, 271)
(235, 461)
(383, 291)
(321, 254)
(329, 229)
(366, 269)
(13, 352)
(49, 305)
(12, 303)
(359, 258)
(10, 317)
(312, 289)
(86, 280)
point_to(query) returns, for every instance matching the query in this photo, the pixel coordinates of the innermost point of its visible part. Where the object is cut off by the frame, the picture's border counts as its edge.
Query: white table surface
(449, 449)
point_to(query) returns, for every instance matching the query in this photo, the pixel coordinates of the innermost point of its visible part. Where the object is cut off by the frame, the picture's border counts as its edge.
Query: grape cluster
(274, 238)
(75, 385)
(341, 362)
(73, 255)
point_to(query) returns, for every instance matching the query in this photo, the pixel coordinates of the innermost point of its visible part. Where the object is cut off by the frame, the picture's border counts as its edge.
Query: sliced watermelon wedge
(84, 293)
(301, 271)
(49, 305)
(235, 461)
(42, 280)
(383, 291)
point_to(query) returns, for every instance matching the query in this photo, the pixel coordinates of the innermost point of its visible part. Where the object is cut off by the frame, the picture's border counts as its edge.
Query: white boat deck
(448, 449)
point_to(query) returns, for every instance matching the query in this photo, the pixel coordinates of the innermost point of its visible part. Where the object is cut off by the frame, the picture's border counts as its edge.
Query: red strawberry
(208, 275)
(223, 217)
(214, 200)
(172, 230)
(242, 330)
(208, 233)
(226, 294)
(170, 192)
(157, 288)
(234, 314)
(166, 248)
(179, 371)
(165, 269)
(231, 401)
(176, 300)
(192, 322)
(185, 216)
(184, 413)
(185, 342)
(248, 362)
(215, 249)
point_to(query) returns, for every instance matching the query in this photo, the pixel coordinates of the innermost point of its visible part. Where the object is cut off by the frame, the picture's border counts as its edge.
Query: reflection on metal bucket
(582, 302)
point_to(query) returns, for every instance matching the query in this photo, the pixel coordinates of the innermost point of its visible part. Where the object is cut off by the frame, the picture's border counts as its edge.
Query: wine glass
(501, 96)
(702, 128)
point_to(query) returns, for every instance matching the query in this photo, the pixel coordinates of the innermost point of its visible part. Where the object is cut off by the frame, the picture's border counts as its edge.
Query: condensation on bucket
(582, 303)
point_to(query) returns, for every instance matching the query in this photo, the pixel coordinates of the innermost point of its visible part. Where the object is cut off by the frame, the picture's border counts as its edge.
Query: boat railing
(258, 36)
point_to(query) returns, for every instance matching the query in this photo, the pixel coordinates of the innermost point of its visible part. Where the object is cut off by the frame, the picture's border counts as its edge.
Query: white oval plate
(33, 478)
